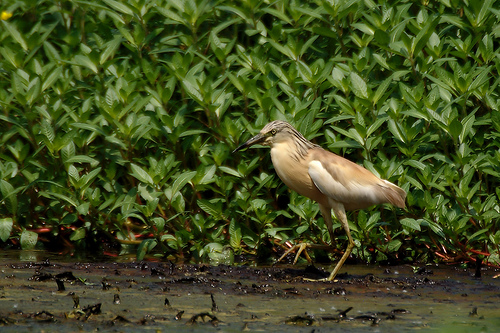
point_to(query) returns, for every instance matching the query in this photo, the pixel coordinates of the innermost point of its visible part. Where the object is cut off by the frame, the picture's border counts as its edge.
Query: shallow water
(383, 299)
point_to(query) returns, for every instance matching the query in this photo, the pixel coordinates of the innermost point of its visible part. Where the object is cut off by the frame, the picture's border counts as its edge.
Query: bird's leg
(340, 214)
(302, 247)
(327, 216)
(339, 211)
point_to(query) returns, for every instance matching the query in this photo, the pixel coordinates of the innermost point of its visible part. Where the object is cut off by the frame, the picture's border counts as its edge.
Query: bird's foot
(299, 248)
(319, 275)
(302, 247)
(319, 280)
(332, 276)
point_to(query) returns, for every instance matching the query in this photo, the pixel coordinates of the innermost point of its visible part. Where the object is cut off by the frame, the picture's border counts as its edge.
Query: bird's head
(273, 132)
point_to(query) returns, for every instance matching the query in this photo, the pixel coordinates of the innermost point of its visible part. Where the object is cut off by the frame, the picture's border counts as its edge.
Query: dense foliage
(118, 119)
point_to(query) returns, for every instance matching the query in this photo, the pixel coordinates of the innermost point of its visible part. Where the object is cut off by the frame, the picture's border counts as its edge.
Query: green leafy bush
(117, 122)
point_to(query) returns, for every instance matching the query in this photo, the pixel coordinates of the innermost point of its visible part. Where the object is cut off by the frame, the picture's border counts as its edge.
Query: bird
(333, 181)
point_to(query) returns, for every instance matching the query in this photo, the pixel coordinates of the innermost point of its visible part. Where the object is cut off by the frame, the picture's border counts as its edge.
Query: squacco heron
(334, 182)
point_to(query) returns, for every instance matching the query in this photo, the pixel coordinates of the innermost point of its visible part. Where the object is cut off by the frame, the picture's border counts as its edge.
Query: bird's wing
(327, 183)
(343, 180)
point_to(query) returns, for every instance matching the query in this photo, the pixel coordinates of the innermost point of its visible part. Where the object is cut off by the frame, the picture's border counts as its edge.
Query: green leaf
(230, 171)
(424, 35)
(207, 175)
(9, 196)
(455, 128)
(375, 126)
(278, 14)
(34, 90)
(73, 173)
(359, 86)
(78, 234)
(235, 235)
(279, 73)
(52, 77)
(68, 151)
(82, 159)
(483, 12)
(394, 245)
(5, 228)
(381, 90)
(382, 37)
(209, 208)
(301, 229)
(15, 34)
(119, 6)
(478, 236)
(63, 197)
(182, 180)
(467, 125)
(48, 131)
(87, 179)
(90, 127)
(193, 91)
(411, 223)
(83, 209)
(28, 240)
(85, 61)
(191, 132)
(110, 49)
(395, 130)
(141, 174)
(146, 246)
(159, 223)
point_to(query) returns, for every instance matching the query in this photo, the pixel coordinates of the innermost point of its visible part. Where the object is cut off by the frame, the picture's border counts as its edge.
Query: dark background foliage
(117, 122)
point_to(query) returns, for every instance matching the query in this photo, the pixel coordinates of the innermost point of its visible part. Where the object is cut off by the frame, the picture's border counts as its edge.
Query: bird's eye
(273, 132)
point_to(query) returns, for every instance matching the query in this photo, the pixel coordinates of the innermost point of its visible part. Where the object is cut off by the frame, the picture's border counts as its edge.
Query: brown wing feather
(351, 184)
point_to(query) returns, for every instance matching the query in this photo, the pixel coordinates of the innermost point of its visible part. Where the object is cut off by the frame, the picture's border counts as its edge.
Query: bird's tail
(395, 194)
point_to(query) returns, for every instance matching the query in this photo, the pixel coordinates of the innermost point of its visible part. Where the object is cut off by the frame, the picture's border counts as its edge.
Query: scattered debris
(93, 309)
(213, 319)
(305, 320)
(215, 308)
(105, 284)
(479, 263)
(179, 314)
(473, 312)
(43, 316)
(120, 319)
(76, 301)
(60, 285)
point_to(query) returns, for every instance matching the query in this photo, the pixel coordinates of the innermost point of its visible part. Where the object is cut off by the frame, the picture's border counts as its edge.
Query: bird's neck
(290, 150)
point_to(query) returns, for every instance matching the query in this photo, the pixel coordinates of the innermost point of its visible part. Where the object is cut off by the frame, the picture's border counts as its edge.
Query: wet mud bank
(150, 296)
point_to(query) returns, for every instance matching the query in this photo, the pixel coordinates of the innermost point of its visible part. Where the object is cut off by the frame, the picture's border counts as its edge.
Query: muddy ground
(160, 297)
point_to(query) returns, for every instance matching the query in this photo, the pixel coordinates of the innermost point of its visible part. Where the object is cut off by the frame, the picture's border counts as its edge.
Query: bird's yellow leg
(302, 247)
(347, 252)
(340, 214)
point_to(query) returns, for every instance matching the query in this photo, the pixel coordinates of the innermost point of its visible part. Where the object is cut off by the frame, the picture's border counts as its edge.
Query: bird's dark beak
(255, 140)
